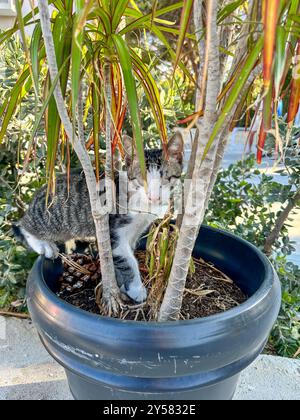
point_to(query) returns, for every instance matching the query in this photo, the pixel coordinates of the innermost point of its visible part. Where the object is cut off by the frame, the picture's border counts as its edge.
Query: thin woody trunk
(274, 235)
(207, 175)
(241, 48)
(100, 214)
(226, 33)
(224, 136)
(195, 208)
(200, 90)
(198, 24)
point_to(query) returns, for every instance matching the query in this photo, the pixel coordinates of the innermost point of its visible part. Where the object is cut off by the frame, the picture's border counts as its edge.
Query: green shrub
(16, 190)
(247, 202)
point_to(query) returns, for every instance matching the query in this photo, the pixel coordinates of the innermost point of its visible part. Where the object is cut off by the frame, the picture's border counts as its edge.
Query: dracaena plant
(83, 50)
(263, 48)
(79, 50)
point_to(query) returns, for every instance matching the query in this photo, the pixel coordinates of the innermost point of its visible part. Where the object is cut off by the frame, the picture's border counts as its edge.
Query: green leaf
(172, 54)
(176, 32)
(18, 4)
(141, 19)
(16, 95)
(229, 9)
(34, 54)
(76, 55)
(47, 101)
(5, 35)
(152, 93)
(184, 23)
(15, 92)
(105, 20)
(106, 4)
(126, 65)
(280, 58)
(118, 13)
(62, 36)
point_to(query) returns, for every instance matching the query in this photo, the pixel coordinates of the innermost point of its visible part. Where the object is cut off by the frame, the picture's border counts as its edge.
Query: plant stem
(224, 136)
(14, 315)
(99, 212)
(283, 216)
(194, 212)
(198, 24)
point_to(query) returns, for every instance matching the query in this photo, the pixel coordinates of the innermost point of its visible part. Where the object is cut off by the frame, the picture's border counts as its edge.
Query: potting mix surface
(208, 290)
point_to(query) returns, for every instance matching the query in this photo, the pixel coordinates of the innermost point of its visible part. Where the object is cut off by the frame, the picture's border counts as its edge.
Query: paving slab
(27, 372)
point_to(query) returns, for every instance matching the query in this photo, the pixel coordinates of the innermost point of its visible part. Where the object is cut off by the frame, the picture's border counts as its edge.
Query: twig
(135, 307)
(14, 315)
(222, 279)
(225, 277)
(74, 264)
(199, 293)
(297, 353)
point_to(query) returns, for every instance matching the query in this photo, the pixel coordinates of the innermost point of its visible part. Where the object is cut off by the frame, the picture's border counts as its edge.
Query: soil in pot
(208, 290)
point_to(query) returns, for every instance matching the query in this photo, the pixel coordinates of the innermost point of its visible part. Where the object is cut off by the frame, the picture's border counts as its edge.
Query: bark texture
(198, 24)
(100, 214)
(274, 235)
(194, 212)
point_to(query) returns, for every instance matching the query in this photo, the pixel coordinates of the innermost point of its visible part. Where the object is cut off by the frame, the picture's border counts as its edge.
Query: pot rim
(259, 296)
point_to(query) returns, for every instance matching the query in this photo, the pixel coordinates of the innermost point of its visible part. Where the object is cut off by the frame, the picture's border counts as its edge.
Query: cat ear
(129, 149)
(175, 146)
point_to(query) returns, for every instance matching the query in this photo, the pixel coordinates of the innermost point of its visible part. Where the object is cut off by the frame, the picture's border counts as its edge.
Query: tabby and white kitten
(69, 215)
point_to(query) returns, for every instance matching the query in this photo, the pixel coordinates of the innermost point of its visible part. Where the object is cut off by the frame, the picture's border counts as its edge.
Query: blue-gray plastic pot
(109, 359)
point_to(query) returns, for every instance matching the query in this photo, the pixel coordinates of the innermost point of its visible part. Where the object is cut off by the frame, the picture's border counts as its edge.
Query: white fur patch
(155, 201)
(39, 246)
(127, 240)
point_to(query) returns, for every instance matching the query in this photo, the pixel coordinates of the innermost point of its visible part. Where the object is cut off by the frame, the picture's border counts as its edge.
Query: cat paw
(136, 292)
(50, 251)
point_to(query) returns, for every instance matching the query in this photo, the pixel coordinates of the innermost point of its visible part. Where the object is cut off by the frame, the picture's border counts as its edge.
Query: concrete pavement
(27, 372)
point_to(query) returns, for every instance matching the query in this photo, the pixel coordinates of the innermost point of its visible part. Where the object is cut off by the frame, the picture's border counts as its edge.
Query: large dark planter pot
(109, 359)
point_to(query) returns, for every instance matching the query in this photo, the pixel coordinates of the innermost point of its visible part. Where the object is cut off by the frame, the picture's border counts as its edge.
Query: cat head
(163, 175)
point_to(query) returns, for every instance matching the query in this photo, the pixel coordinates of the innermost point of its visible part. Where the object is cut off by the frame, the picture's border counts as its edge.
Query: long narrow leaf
(295, 94)
(18, 4)
(118, 13)
(271, 12)
(34, 54)
(261, 143)
(227, 11)
(280, 58)
(184, 23)
(46, 103)
(141, 19)
(126, 65)
(76, 55)
(153, 95)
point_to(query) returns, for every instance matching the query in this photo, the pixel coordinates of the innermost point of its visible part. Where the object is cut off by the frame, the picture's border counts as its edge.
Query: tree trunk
(204, 181)
(198, 24)
(226, 33)
(274, 235)
(194, 212)
(224, 136)
(99, 212)
(241, 48)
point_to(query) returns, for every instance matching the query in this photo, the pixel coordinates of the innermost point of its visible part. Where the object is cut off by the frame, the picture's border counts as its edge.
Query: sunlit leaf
(126, 65)
(271, 13)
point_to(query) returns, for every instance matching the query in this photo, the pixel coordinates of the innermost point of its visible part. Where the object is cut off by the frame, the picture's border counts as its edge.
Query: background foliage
(243, 201)
(246, 202)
